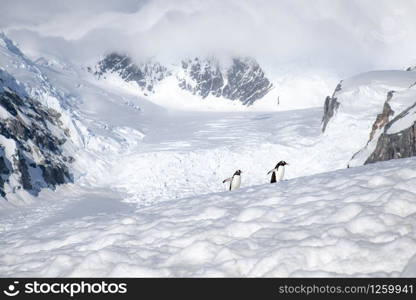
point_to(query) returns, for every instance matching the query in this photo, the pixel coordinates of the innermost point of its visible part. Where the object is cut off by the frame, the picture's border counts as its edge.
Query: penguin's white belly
(280, 173)
(235, 182)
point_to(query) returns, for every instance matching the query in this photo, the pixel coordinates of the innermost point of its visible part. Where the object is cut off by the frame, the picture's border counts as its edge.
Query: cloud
(343, 36)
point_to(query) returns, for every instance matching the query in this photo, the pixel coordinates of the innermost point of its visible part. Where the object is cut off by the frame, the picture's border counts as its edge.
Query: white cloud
(343, 36)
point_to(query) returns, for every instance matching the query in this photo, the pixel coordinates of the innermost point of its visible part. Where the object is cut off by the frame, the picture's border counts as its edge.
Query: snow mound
(343, 223)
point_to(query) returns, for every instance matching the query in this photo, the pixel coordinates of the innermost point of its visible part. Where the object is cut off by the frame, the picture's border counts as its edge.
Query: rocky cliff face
(397, 143)
(392, 134)
(383, 118)
(31, 140)
(146, 75)
(373, 114)
(330, 106)
(242, 80)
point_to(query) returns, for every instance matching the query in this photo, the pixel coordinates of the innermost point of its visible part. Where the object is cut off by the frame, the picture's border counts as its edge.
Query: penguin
(278, 172)
(235, 180)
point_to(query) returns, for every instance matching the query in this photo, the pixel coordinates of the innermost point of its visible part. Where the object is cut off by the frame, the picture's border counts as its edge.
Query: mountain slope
(367, 109)
(36, 132)
(396, 139)
(31, 142)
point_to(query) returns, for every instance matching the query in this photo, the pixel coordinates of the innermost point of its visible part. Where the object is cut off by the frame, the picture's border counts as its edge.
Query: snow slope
(352, 222)
(34, 83)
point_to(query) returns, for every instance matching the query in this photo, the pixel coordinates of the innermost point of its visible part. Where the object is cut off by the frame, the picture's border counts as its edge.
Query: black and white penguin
(235, 180)
(278, 172)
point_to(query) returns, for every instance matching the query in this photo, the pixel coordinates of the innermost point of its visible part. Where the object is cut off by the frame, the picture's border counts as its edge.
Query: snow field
(189, 156)
(353, 222)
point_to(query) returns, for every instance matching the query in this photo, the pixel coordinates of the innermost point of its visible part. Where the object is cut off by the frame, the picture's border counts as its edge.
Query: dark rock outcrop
(31, 140)
(244, 80)
(206, 78)
(5, 169)
(145, 75)
(383, 118)
(330, 106)
(395, 145)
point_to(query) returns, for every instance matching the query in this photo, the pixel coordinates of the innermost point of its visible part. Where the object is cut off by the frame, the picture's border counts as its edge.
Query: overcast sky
(342, 36)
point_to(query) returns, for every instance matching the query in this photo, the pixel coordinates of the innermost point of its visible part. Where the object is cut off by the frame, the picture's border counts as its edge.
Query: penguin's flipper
(271, 171)
(228, 179)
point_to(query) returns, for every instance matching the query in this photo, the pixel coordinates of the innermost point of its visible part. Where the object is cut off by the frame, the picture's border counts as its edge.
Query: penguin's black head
(238, 172)
(281, 163)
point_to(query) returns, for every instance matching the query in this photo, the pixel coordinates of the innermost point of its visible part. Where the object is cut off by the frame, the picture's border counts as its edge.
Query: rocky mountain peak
(146, 75)
(330, 106)
(243, 80)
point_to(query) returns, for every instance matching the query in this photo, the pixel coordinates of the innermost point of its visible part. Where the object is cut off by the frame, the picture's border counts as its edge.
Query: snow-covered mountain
(375, 113)
(36, 133)
(31, 142)
(147, 75)
(243, 79)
